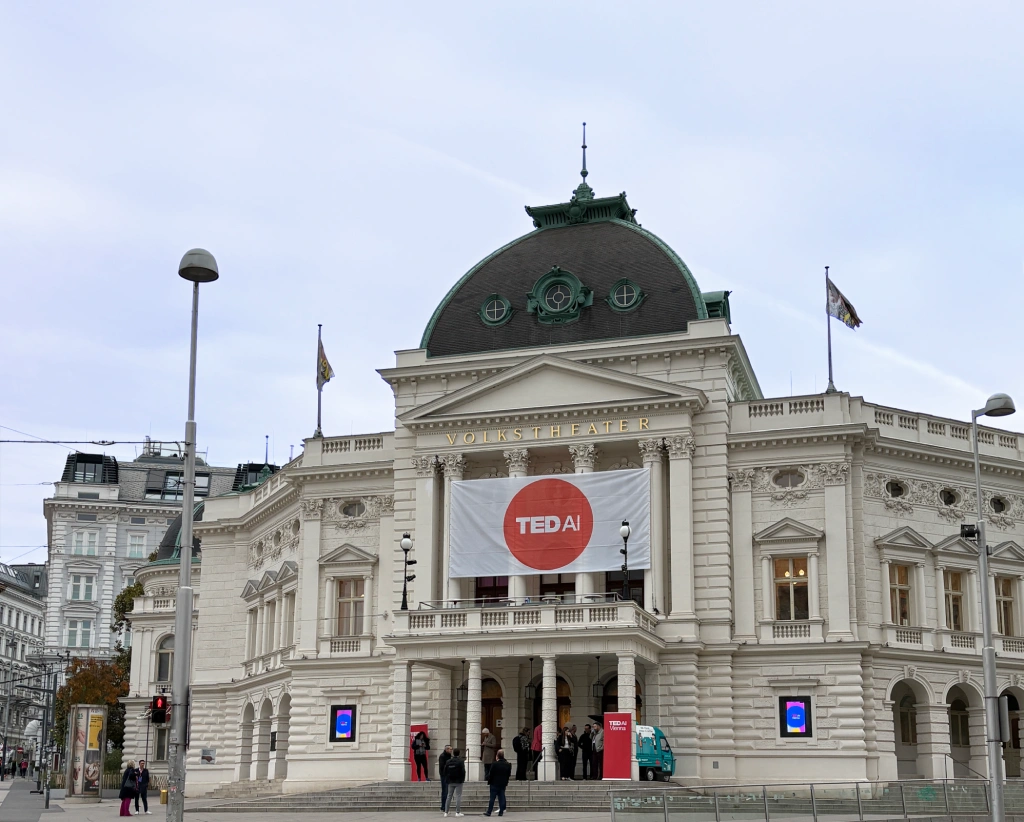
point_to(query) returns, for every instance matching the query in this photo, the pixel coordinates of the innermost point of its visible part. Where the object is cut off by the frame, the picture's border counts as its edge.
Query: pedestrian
(597, 768)
(536, 748)
(586, 749)
(24, 768)
(565, 745)
(456, 770)
(128, 788)
(420, 746)
(576, 751)
(143, 786)
(501, 771)
(490, 747)
(521, 745)
(442, 764)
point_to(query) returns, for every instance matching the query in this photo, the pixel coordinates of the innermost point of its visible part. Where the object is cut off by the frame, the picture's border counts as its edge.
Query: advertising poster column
(85, 762)
(618, 745)
(413, 730)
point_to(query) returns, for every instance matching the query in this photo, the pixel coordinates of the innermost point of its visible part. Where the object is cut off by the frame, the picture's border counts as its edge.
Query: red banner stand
(413, 730)
(618, 745)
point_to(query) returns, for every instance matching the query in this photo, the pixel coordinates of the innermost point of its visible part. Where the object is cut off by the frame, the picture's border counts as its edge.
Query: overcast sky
(348, 162)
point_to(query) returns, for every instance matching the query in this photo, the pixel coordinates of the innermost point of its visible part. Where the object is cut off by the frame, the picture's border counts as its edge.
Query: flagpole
(320, 384)
(828, 319)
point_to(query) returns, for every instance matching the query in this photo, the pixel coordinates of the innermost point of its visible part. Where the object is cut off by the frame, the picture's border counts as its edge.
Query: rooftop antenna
(266, 449)
(291, 453)
(583, 192)
(583, 172)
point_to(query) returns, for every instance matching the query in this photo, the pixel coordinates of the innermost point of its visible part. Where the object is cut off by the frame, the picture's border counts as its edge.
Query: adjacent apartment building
(103, 521)
(21, 638)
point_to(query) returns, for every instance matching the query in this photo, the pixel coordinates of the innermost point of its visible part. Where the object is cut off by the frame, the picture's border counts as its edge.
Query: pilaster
(583, 458)
(309, 574)
(743, 554)
(518, 460)
(680, 452)
(401, 696)
(454, 466)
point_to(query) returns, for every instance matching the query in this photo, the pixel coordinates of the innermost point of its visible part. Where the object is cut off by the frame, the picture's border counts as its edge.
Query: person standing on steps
(420, 746)
(586, 750)
(442, 764)
(501, 772)
(597, 768)
(536, 748)
(490, 746)
(521, 745)
(142, 782)
(456, 770)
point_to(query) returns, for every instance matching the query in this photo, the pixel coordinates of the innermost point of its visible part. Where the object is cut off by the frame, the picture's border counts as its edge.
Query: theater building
(803, 606)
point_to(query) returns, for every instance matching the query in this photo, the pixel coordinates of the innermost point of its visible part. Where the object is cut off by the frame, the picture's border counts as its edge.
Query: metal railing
(512, 602)
(833, 801)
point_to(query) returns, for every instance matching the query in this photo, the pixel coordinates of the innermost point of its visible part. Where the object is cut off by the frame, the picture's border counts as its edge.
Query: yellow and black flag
(838, 306)
(324, 372)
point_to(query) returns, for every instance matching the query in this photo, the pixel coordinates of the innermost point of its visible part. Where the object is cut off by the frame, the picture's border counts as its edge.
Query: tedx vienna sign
(535, 525)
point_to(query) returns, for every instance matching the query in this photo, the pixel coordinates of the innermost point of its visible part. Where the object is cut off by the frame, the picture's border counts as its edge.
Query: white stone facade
(21, 639)
(739, 483)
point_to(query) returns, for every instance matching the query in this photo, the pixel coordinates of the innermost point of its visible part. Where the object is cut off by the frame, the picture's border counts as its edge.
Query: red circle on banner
(548, 524)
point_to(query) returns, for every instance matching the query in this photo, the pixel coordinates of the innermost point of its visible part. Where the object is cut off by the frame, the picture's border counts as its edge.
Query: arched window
(165, 659)
(959, 729)
(908, 721)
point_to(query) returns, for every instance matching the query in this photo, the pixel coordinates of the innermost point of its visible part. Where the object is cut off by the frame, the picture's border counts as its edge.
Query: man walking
(442, 765)
(521, 745)
(586, 750)
(490, 746)
(498, 778)
(456, 770)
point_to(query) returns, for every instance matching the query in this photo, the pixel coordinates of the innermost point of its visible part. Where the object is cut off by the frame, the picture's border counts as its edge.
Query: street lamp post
(624, 533)
(998, 405)
(406, 544)
(197, 266)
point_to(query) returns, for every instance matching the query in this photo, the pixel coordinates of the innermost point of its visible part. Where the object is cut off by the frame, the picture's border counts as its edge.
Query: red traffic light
(158, 710)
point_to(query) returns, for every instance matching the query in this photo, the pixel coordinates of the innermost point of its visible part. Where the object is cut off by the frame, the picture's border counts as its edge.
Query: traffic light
(158, 710)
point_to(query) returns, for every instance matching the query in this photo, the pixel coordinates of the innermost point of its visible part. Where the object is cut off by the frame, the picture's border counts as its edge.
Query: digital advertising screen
(795, 716)
(343, 723)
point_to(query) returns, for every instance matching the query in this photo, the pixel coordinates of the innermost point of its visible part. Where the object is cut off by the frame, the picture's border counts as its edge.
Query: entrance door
(491, 705)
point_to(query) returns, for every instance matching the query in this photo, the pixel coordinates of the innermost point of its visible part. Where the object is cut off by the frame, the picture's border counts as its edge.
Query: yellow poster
(95, 730)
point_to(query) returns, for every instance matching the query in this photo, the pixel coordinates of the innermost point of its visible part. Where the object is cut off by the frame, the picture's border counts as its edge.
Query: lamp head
(198, 266)
(998, 405)
(406, 543)
(624, 530)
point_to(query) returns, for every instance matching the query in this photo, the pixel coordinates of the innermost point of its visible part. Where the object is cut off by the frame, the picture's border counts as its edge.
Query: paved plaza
(19, 804)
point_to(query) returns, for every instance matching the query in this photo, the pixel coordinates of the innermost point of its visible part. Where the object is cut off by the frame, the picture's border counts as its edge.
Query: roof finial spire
(583, 173)
(583, 192)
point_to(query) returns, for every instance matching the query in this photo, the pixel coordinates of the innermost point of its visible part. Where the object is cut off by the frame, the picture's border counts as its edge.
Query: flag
(839, 307)
(324, 372)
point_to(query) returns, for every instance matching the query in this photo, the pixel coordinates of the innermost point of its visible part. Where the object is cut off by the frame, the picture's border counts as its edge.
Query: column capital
(454, 466)
(583, 455)
(625, 654)
(680, 446)
(651, 450)
(548, 657)
(426, 466)
(742, 479)
(473, 660)
(312, 508)
(518, 459)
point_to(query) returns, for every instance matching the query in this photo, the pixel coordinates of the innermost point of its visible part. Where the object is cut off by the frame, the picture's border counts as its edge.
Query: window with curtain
(953, 584)
(791, 595)
(899, 594)
(1004, 606)
(350, 607)
(165, 659)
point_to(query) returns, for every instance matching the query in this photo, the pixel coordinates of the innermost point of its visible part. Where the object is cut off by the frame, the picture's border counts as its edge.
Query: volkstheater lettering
(540, 432)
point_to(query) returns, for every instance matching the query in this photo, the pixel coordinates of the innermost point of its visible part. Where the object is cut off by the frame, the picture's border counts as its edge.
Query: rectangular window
(1004, 605)
(174, 486)
(160, 749)
(88, 472)
(88, 495)
(79, 633)
(87, 518)
(81, 587)
(953, 583)
(136, 546)
(791, 596)
(491, 588)
(899, 594)
(84, 543)
(138, 520)
(558, 585)
(350, 608)
(129, 581)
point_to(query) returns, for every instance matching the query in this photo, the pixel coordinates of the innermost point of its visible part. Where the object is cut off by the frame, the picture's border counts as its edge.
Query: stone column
(627, 704)
(741, 482)
(680, 453)
(309, 576)
(427, 584)
(369, 605)
(919, 604)
(1018, 606)
(652, 451)
(548, 718)
(474, 723)
(261, 629)
(837, 567)
(933, 740)
(454, 466)
(518, 460)
(976, 730)
(583, 458)
(767, 588)
(813, 593)
(401, 696)
(940, 595)
(992, 602)
(971, 611)
(888, 617)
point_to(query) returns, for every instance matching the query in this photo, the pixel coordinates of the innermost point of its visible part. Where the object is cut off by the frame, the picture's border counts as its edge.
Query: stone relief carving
(518, 460)
(742, 479)
(898, 506)
(651, 450)
(425, 466)
(680, 446)
(488, 472)
(312, 508)
(583, 456)
(622, 464)
(928, 493)
(789, 497)
(454, 466)
(559, 468)
(833, 473)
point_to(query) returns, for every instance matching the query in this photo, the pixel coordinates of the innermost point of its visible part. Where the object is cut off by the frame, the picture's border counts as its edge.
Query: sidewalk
(18, 803)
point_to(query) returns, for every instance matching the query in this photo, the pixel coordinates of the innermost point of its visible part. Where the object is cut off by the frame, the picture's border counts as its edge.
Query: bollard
(163, 796)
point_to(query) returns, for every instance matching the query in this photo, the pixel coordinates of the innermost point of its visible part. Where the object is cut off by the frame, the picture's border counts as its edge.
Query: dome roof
(170, 545)
(588, 272)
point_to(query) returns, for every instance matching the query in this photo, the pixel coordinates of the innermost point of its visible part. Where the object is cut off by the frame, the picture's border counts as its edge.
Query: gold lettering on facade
(469, 438)
(607, 426)
(501, 436)
(623, 425)
(536, 432)
(593, 429)
(553, 432)
(556, 431)
(644, 424)
(517, 433)
(485, 436)
(575, 428)
(451, 439)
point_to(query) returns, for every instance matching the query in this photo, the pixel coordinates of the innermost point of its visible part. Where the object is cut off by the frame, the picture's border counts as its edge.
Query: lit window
(953, 583)
(1004, 605)
(136, 546)
(351, 602)
(791, 601)
(899, 594)
(165, 659)
(81, 587)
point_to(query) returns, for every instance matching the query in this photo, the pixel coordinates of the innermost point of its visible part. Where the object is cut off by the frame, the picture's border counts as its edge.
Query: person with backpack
(442, 764)
(456, 771)
(521, 745)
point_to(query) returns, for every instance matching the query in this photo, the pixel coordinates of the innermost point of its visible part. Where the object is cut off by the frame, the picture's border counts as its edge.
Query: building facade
(805, 551)
(103, 522)
(21, 640)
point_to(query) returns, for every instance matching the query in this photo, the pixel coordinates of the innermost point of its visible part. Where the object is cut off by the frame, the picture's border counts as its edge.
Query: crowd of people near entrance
(579, 755)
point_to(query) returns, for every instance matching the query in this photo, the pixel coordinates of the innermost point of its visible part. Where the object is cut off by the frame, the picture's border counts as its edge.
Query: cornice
(935, 455)
(795, 437)
(591, 411)
(106, 506)
(330, 473)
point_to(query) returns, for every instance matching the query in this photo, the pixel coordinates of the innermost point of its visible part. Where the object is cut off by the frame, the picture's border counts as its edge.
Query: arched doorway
(491, 707)
(279, 739)
(610, 699)
(905, 727)
(563, 700)
(263, 739)
(1011, 751)
(245, 743)
(959, 733)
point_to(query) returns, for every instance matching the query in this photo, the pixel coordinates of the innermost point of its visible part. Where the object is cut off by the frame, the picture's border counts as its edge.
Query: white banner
(549, 525)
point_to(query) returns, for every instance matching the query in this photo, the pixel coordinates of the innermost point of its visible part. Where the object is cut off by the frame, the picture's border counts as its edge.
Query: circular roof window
(625, 295)
(496, 310)
(558, 297)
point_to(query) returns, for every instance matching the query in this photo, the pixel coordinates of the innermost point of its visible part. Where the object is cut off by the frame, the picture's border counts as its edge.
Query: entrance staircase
(250, 789)
(589, 797)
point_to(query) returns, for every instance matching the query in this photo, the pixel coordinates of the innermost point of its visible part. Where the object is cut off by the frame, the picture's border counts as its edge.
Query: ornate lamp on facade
(462, 692)
(598, 688)
(530, 692)
(624, 533)
(406, 545)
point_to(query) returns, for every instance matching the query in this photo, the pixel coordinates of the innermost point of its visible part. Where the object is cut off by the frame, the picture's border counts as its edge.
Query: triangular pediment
(267, 580)
(788, 530)
(905, 537)
(1008, 550)
(957, 545)
(288, 569)
(251, 587)
(347, 553)
(549, 382)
